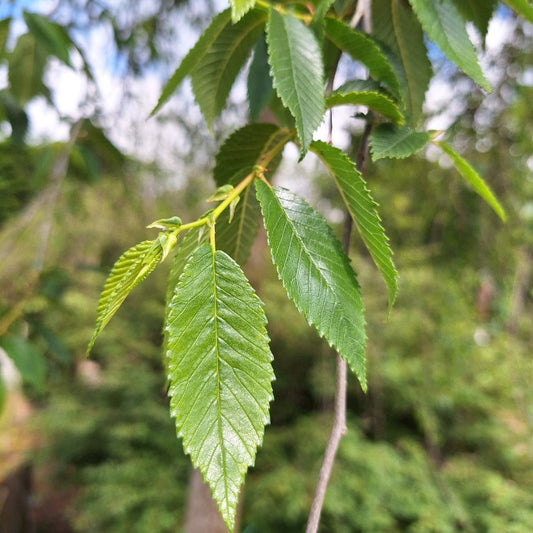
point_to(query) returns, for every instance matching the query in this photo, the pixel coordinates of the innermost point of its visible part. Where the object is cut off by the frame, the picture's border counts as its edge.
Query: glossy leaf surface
(397, 143)
(220, 372)
(316, 273)
(362, 208)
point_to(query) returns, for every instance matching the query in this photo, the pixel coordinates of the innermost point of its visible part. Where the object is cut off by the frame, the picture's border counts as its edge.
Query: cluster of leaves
(217, 354)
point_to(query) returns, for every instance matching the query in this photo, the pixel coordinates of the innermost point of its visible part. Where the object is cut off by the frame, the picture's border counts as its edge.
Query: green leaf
(473, 179)
(220, 372)
(216, 71)
(522, 7)
(363, 210)
(50, 36)
(396, 143)
(315, 272)
(395, 25)
(26, 70)
(193, 57)
(445, 26)
(479, 12)
(239, 8)
(131, 268)
(259, 86)
(297, 72)
(4, 33)
(362, 48)
(375, 101)
(28, 359)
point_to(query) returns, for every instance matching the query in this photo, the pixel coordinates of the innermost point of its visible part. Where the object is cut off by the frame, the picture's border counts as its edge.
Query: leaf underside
(220, 372)
(297, 72)
(363, 210)
(396, 143)
(473, 179)
(131, 268)
(445, 26)
(316, 273)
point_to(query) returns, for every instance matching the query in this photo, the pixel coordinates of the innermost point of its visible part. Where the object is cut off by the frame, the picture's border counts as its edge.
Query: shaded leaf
(397, 143)
(395, 25)
(315, 272)
(473, 179)
(522, 7)
(375, 101)
(259, 86)
(4, 33)
(193, 57)
(363, 210)
(239, 8)
(216, 71)
(220, 372)
(362, 48)
(297, 72)
(479, 12)
(131, 268)
(445, 26)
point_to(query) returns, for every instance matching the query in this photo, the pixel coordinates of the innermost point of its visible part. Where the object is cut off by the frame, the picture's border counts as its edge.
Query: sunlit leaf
(522, 7)
(239, 8)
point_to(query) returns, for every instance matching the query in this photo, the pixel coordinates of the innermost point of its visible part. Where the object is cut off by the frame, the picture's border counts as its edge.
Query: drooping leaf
(315, 272)
(473, 179)
(220, 372)
(445, 26)
(16, 116)
(362, 48)
(216, 71)
(4, 33)
(395, 25)
(193, 57)
(50, 36)
(297, 72)
(26, 69)
(259, 81)
(397, 143)
(131, 268)
(522, 7)
(28, 359)
(239, 8)
(254, 144)
(362, 208)
(375, 101)
(479, 12)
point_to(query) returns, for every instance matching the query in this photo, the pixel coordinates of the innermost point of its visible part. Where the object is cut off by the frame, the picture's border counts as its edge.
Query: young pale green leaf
(394, 24)
(26, 69)
(375, 101)
(259, 85)
(479, 12)
(473, 179)
(396, 143)
(362, 48)
(193, 57)
(297, 72)
(50, 36)
(220, 372)
(131, 268)
(362, 208)
(316, 273)
(216, 71)
(522, 7)
(239, 8)
(4, 33)
(445, 26)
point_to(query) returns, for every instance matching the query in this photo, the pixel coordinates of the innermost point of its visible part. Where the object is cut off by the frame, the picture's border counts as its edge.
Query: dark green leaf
(297, 72)
(220, 372)
(193, 57)
(259, 81)
(239, 8)
(444, 25)
(362, 48)
(395, 25)
(362, 208)
(375, 101)
(397, 143)
(4, 33)
(522, 7)
(479, 12)
(473, 179)
(131, 268)
(316, 273)
(216, 71)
